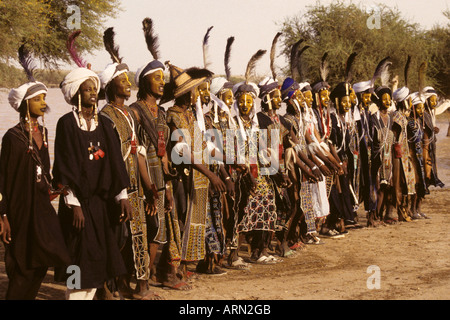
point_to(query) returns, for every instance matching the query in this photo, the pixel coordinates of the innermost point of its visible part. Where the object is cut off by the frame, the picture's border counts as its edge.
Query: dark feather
(197, 73)
(230, 41)
(252, 63)
(301, 64)
(272, 54)
(110, 46)
(422, 75)
(380, 70)
(27, 63)
(150, 38)
(408, 62)
(324, 69)
(293, 58)
(348, 67)
(205, 44)
(73, 51)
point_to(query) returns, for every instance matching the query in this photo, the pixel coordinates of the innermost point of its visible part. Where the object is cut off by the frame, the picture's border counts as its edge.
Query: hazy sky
(181, 25)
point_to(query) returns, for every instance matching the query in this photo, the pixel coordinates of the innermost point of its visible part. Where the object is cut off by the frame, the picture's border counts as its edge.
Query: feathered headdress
(422, 75)
(73, 51)
(230, 41)
(252, 63)
(110, 46)
(150, 38)
(381, 72)
(324, 67)
(272, 55)
(205, 46)
(348, 67)
(26, 62)
(406, 71)
(293, 61)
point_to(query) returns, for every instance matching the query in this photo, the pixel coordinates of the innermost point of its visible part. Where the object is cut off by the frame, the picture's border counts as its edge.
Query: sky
(182, 24)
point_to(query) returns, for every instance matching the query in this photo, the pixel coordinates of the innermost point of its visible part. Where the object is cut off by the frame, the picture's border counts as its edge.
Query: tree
(42, 26)
(341, 29)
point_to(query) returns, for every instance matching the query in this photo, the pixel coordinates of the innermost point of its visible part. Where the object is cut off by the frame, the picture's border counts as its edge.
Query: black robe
(95, 183)
(37, 240)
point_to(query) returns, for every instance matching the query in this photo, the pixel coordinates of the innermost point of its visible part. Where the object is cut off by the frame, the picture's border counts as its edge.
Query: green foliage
(42, 26)
(341, 29)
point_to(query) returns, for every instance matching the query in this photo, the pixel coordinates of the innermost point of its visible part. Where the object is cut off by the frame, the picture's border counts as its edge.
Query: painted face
(297, 96)
(37, 105)
(353, 96)
(227, 97)
(156, 81)
(245, 104)
(345, 104)
(276, 99)
(122, 85)
(324, 96)
(194, 95)
(419, 109)
(308, 98)
(366, 98)
(204, 92)
(88, 92)
(432, 101)
(386, 101)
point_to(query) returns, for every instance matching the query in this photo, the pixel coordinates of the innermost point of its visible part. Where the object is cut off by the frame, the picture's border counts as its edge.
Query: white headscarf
(24, 92)
(110, 72)
(74, 79)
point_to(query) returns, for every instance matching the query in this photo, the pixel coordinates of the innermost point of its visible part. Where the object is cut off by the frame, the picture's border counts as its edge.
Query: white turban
(73, 81)
(428, 92)
(303, 84)
(416, 98)
(362, 86)
(400, 94)
(111, 71)
(24, 92)
(217, 84)
(151, 67)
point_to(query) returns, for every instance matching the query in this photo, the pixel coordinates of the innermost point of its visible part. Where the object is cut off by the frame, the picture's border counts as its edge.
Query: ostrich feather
(252, 63)
(272, 54)
(71, 47)
(151, 38)
(230, 41)
(27, 63)
(110, 46)
(205, 46)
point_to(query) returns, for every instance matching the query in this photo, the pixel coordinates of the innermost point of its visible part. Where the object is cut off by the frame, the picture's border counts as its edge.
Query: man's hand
(126, 211)
(217, 183)
(169, 200)
(78, 218)
(6, 230)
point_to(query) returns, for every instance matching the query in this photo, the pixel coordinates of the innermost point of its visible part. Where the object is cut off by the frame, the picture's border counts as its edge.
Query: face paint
(419, 109)
(245, 104)
(276, 99)
(353, 96)
(194, 95)
(122, 85)
(37, 105)
(345, 104)
(432, 101)
(156, 80)
(88, 92)
(204, 92)
(308, 98)
(227, 97)
(385, 101)
(366, 98)
(324, 96)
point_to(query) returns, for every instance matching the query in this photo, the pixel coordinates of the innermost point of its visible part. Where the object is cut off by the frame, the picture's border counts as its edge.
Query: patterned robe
(125, 126)
(154, 129)
(193, 237)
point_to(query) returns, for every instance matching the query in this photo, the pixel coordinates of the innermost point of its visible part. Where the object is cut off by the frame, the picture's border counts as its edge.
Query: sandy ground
(413, 260)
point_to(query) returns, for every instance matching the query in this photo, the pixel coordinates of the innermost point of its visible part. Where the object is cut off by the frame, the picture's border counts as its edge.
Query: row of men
(123, 197)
